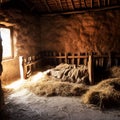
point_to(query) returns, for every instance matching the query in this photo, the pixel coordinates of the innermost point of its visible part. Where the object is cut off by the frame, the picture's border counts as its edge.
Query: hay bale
(106, 94)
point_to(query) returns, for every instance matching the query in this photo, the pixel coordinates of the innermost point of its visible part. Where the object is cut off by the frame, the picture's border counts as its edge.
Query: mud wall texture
(88, 32)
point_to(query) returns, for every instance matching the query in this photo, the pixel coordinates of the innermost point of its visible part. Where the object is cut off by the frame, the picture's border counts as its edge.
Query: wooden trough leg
(91, 69)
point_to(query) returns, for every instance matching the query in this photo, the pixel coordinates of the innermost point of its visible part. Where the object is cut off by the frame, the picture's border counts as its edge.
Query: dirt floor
(25, 105)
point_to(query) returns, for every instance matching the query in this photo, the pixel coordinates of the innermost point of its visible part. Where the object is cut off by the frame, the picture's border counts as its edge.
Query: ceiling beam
(80, 3)
(47, 6)
(60, 5)
(82, 11)
(67, 4)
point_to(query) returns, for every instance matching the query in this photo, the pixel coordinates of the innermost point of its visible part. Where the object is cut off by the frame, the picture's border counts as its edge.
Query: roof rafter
(60, 4)
(47, 6)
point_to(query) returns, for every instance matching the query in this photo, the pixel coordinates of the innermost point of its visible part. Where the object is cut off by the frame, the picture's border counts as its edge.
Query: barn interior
(59, 59)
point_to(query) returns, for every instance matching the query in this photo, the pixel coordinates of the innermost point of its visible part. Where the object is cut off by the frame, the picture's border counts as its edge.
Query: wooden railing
(29, 65)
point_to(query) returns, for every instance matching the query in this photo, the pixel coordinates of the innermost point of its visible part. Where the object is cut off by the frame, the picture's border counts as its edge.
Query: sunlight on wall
(6, 42)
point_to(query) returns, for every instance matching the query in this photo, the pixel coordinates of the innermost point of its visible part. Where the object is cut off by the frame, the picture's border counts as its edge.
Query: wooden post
(55, 61)
(21, 65)
(91, 69)
(109, 60)
(60, 60)
(1, 91)
(66, 57)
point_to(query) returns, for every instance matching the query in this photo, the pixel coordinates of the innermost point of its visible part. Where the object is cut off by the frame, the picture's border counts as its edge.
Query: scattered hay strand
(106, 94)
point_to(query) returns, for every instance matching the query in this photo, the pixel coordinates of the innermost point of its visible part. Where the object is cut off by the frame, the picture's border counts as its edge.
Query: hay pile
(114, 72)
(70, 73)
(49, 86)
(106, 94)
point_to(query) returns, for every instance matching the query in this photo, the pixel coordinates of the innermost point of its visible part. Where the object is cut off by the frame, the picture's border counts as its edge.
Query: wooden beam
(60, 5)
(67, 4)
(80, 3)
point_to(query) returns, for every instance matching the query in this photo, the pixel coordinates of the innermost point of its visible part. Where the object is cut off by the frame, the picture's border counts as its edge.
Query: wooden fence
(92, 60)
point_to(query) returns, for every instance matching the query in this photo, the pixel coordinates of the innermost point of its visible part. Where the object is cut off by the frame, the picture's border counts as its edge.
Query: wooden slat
(80, 3)
(91, 3)
(85, 4)
(99, 4)
(108, 2)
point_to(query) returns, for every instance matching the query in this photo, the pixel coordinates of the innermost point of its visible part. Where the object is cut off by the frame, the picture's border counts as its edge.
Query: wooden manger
(33, 63)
